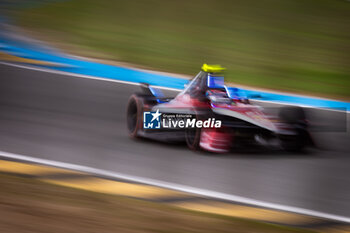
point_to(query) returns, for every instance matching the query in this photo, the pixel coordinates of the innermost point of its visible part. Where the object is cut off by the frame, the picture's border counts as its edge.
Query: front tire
(134, 115)
(193, 137)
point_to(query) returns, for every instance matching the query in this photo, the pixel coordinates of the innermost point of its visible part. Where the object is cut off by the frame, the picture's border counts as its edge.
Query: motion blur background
(300, 46)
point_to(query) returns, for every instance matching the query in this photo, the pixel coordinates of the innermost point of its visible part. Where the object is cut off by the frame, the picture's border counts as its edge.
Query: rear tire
(292, 115)
(295, 117)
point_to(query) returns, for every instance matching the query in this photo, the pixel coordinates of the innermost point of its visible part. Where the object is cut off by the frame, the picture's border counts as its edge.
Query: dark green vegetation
(28, 205)
(300, 45)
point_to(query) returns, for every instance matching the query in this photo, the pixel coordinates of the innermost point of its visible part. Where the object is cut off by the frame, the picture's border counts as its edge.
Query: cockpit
(211, 86)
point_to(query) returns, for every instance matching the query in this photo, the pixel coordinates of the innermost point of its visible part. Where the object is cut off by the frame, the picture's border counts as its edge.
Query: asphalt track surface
(82, 121)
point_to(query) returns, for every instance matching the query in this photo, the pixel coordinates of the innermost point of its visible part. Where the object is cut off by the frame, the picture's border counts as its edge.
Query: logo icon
(151, 120)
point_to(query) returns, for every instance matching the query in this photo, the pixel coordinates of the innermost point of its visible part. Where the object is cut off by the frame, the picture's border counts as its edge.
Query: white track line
(300, 105)
(80, 75)
(173, 186)
(136, 84)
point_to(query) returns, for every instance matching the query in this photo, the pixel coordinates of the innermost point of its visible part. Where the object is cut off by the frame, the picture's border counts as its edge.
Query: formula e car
(211, 116)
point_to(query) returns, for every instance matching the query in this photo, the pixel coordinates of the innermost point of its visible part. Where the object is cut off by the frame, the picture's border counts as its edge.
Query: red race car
(211, 116)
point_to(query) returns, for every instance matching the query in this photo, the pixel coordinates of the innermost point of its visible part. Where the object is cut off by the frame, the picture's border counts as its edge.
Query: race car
(210, 116)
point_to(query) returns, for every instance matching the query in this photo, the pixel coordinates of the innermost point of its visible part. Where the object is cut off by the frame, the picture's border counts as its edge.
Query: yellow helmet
(212, 68)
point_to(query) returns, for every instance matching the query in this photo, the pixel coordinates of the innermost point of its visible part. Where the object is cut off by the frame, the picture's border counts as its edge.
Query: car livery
(206, 98)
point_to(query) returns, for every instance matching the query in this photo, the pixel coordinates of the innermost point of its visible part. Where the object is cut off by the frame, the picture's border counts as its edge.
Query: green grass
(294, 45)
(29, 205)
